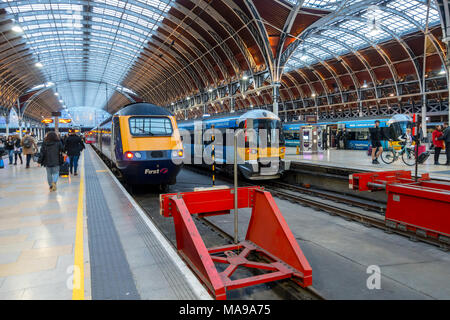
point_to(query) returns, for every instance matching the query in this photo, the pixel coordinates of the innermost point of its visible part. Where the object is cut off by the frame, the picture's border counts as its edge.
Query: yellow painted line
(101, 170)
(78, 270)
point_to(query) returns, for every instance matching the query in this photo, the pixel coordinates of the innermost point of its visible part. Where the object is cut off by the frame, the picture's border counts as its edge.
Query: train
(141, 142)
(260, 155)
(358, 136)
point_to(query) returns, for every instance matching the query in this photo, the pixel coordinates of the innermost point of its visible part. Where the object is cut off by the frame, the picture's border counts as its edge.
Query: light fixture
(172, 103)
(17, 29)
(60, 100)
(442, 71)
(313, 95)
(364, 84)
(38, 64)
(188, 98)
(56, 94)
(245, 77)
(210, 90)
(391, 95)
(49, 84)
(374, 30)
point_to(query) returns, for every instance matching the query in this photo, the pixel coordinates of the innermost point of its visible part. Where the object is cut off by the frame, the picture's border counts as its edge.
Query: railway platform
(87, 240)
(358, 160)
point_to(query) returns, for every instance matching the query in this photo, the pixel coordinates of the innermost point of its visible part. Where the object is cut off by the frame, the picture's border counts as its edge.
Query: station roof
(108, 53)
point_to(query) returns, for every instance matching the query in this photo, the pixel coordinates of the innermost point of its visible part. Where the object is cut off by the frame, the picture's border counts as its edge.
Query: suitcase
(423, 156)
(2, 164)
(64, 169)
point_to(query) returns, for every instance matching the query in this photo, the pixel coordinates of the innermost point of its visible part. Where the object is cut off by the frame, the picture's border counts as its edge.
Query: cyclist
(407, 138)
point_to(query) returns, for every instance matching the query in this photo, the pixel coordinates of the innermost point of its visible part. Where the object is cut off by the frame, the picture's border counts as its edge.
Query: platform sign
(310, 119)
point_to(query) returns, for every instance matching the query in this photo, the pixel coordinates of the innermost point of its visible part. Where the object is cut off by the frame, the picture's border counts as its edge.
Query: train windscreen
(273, 129)
(150, 126)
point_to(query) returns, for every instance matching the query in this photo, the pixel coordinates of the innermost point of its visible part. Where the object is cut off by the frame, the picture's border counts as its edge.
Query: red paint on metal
(268, 235)
(421, 206)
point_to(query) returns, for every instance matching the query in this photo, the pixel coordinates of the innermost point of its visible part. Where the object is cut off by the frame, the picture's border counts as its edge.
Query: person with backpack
(29, 147)
(9, 147)
(73, 147)
(50, 157)
(17, 151)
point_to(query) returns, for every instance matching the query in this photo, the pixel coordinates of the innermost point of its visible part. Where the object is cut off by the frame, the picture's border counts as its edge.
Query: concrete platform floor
(121, 253)
(358, 159)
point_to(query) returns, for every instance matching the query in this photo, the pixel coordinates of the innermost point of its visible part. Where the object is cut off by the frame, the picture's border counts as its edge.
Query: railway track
(297, 196)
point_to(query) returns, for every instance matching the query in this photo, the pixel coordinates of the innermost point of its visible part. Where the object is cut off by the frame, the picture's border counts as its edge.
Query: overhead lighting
(364, 84)
(374, 30)
(313, 95)
(38, 64)
(245, 77)
(442, 71)
(172, 103)
(61, 101)
(210, 90)
(188, 98)
(56, 94)
(17, 29)
(49, 84)
(391, 95)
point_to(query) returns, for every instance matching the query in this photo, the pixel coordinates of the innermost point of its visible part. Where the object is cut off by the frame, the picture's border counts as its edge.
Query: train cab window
(150, 126)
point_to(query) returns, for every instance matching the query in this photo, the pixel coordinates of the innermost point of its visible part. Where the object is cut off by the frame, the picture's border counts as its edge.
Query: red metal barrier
(422, 206)
(268, 235)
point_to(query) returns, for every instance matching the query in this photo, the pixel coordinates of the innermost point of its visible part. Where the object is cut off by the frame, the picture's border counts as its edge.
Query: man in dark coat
(446, 138)
(73, 147)
(324, 139)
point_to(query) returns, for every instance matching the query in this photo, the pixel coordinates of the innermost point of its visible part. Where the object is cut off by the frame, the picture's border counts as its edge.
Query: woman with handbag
(50, 158)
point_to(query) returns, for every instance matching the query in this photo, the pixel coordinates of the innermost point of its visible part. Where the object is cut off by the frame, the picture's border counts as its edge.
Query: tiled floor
(37, 234)
(359, 159)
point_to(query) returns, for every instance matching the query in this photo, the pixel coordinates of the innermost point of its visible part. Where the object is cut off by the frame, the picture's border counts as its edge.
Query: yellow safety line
(78, 283)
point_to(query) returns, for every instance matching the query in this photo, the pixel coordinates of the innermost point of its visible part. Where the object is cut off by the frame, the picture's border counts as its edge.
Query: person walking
(17, 151)
(446, 138)
(73, 147)
(50, 157)
(324, 139)
(438, 144)
(9, 147)
(376, 135)
(29, 147)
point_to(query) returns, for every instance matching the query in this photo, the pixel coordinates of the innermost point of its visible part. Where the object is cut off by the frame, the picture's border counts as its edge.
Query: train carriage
(262, 158)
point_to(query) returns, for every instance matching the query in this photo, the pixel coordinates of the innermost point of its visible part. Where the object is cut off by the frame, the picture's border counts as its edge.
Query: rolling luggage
(2, 164)
(423, 156)
(64, 167)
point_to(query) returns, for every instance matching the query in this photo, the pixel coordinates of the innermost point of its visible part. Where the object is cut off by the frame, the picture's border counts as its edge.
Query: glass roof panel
(95, 40)
(353, 29)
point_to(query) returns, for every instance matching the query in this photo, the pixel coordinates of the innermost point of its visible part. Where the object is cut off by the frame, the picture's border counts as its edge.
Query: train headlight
(138, 155)
(283, 149)
(252, 151)
(177, 153)
(129, 155)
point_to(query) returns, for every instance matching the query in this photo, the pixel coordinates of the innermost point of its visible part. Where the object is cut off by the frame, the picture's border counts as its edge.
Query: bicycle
(406, 152)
